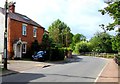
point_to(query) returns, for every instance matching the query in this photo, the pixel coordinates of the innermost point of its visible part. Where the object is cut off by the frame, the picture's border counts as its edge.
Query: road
(82, 69)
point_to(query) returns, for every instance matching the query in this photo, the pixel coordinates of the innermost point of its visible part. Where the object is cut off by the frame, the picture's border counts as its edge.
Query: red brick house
(22, 31)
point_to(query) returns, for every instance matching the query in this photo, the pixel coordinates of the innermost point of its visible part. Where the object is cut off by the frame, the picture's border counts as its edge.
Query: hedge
(56, 54)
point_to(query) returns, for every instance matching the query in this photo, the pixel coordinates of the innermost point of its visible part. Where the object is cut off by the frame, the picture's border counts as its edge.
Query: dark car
(39, 56)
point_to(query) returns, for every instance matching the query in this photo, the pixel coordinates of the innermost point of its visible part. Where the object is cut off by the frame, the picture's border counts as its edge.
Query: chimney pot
(12, 7)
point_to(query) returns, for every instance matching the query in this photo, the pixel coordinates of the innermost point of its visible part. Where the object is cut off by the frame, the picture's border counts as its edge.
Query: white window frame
(25, 47)
(24, 29)
(34, 33)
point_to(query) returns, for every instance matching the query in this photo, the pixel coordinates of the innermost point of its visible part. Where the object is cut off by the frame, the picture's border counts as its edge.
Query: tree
(82, 47)
(103, 27)
(116, 43)
(46, 42)
(54, 34)
(60, 33)
(78, 38)
(113, 9)
(68, 37)
(101, 42)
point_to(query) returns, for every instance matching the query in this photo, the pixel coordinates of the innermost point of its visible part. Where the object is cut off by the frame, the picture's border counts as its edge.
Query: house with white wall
(2, 28)
(22, 32)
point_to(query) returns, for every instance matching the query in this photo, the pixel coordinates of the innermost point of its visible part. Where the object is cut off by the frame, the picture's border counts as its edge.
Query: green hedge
(56, 54)
(52, 54)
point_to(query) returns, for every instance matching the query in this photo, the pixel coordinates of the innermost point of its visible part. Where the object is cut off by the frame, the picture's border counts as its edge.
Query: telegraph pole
(5, 35)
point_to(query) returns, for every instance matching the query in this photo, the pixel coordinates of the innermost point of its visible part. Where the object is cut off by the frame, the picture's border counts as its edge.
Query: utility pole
(5, 35)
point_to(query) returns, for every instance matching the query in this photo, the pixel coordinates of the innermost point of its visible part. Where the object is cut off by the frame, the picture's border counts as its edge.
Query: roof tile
(21, 18)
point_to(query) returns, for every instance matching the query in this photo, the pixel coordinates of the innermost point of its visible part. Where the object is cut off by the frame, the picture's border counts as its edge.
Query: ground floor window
(24, 47)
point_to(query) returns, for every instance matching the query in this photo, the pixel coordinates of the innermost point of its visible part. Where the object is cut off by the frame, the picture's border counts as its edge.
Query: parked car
(39, 56)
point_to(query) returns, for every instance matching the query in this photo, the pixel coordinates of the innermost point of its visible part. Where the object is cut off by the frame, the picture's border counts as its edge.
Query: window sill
(35, 36)
(24, 35)
(24, 52)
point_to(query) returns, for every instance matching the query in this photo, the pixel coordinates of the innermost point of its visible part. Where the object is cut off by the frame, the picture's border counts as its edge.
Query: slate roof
(21, 18)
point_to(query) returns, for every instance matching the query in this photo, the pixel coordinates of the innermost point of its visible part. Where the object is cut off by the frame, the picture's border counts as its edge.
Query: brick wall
(15, 32)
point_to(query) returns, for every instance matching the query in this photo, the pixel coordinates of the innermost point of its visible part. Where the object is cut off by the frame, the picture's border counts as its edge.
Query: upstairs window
(34, 31)
(24, 29)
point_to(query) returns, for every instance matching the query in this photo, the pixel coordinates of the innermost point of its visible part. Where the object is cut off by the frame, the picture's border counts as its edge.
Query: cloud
(81, 15)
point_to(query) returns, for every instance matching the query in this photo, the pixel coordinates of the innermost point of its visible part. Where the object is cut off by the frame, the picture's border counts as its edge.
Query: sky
(81, 16)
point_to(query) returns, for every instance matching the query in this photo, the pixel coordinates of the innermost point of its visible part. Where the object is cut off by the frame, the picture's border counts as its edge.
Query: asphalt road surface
(81, 69)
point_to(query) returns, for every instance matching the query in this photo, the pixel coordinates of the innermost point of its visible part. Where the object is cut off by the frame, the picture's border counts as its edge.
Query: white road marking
(101, 71)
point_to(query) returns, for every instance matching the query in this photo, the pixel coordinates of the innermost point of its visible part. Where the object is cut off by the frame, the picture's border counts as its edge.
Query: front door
(18, 50)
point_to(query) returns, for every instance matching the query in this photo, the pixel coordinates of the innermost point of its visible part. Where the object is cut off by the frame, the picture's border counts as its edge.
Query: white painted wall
(2, 28)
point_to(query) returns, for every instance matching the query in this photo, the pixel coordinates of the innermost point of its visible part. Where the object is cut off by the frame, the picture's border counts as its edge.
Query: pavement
(110, 72)
(18, 66)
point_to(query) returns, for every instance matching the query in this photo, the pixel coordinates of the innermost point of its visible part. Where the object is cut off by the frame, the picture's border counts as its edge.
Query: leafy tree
(72, 46)
(116, 43)
(113, 10)
(82, 47)
(78, 38)
(101, 42)
(67, 37)
(60, 33)
(103, 27)
(46, 42)
(54, 34)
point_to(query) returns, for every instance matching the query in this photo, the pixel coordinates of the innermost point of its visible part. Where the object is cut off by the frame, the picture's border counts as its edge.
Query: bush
(117, 59)
(28, 54)
(72, 46)
(61, 54)
(53, 54)
(68, 52)
(47, 55)
(110, 56)
(81, 47)
(56, 54)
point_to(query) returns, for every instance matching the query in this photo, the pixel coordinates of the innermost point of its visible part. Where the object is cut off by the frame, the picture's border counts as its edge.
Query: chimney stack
(12, 7)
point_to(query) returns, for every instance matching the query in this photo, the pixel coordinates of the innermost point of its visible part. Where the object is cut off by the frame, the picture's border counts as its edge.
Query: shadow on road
(74, 59)
(22, 77)
(28, 77)
(4, 72)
